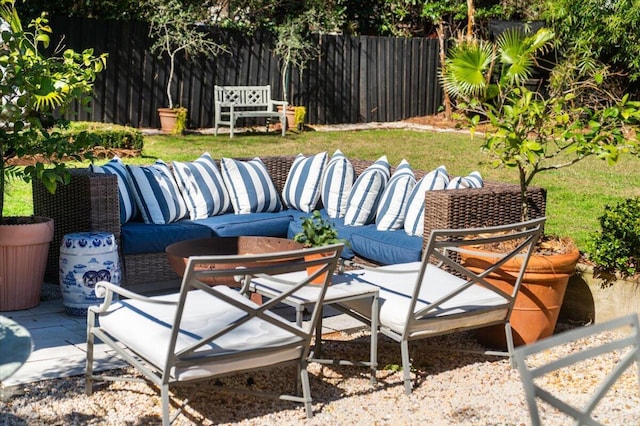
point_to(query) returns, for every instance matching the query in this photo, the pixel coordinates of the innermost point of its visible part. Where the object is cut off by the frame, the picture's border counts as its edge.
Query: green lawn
(576, 196)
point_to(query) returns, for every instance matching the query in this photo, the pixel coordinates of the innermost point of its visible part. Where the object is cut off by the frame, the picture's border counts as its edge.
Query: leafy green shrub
(616, 247)
(108, 135)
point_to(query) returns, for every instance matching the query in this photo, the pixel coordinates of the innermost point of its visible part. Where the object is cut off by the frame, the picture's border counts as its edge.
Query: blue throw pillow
(250, 186)
(437, 179)
(393, 204)
(302, 187)
(366, 192)
(127, 200)
(157, 193)
(202, 187)
(337, 182)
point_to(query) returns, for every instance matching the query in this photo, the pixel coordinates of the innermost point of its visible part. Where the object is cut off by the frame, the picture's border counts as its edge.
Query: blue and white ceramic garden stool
(85, 259)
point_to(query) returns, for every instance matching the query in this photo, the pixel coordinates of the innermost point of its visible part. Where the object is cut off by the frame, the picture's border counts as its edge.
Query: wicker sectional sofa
(90, 203)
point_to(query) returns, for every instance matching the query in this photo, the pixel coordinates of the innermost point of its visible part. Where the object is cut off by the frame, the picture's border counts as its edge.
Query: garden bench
(233, 102)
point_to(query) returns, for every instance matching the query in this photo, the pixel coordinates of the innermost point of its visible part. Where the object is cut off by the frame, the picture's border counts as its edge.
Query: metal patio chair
(582, 415)
(210, 331)
(440, 295)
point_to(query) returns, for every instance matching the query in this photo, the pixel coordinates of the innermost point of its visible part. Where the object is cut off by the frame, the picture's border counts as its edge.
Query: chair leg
(510, 347)
(406, 366)
(89, 367)
(306, 390)
(164, 396)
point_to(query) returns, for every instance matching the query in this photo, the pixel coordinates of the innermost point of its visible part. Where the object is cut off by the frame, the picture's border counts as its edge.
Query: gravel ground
(452, 389)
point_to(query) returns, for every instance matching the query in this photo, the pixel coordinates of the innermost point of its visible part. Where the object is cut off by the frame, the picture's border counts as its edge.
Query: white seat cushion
(202, 187)
(337, 182)
(396, 292)
(302, 188)
(393, 204)
(146, 328)
(250, 186)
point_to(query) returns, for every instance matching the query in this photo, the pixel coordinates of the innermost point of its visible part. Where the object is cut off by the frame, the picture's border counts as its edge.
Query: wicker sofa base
(90, 203)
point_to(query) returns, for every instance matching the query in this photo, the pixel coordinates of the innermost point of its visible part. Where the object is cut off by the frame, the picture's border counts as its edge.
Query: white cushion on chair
(396, 291)
(250, 186)
(146, 328)
(202, 186)
(437, 179)
(392, 207)
(366, 193)
(337, 182)
(127, 200)
(302, 188)
(157, 193)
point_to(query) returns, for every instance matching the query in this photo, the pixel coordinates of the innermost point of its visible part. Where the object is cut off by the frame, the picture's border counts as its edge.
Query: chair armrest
(88, 203)
(281, 103)
(107, 290)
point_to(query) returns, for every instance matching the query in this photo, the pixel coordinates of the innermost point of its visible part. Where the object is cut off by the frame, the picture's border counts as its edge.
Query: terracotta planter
(167, 119)
(312, 269)
(540, 298)
(291, 116)
(23, 257)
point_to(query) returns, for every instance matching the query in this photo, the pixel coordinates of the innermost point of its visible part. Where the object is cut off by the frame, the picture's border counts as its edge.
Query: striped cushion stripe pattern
(437, 179)
(127, 200)
(393, 204)
(157, 193)
(250, 186)
(474, 180)
(202, 187)
(302, 187)
(337, 182)
(366, 193)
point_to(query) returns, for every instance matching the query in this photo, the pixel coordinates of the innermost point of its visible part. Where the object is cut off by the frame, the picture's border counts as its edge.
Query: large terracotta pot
(540, 298)
(24, 247)
(167, 119)
(291, 116)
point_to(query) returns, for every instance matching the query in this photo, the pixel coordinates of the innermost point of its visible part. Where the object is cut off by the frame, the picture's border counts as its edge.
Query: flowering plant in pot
(178, 29)
(316, 232)
(532, 134)
(32, 87)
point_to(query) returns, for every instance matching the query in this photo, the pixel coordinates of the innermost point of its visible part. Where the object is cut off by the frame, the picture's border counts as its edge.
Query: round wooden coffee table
(179, 253)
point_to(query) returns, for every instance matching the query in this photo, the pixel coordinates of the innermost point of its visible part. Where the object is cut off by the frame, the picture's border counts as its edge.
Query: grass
(576, 196)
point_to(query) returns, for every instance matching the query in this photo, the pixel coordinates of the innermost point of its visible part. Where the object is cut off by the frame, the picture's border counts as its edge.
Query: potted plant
(32, 86)
(316, 232)
(535, 134)
(178, 29)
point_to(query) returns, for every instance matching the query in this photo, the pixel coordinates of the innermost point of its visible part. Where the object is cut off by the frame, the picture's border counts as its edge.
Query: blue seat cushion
(266, 224)
(344, 232)
(385, 247)
(139, 237)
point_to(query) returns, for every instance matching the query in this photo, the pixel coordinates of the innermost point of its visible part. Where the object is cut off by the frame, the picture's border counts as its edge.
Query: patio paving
(60, 340)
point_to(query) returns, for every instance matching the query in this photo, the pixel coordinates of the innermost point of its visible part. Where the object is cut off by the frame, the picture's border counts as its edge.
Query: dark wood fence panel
(355, 79)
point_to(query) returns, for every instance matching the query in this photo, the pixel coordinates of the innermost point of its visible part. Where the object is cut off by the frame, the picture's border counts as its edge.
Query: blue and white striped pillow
(437, 179)
(250, 186)
(337, 182)
(392, 207)
(125, 193)
(474, 180)
(366, 193)
(202, 187)
(157, 193)
(302, 188)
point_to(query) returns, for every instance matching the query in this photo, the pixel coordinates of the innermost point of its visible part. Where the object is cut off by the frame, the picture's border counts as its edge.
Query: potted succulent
(32, 86)
(178, 29)
(316, 232)
(535, 134)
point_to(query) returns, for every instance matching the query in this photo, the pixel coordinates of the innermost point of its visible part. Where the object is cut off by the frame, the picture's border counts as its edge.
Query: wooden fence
(355, 79)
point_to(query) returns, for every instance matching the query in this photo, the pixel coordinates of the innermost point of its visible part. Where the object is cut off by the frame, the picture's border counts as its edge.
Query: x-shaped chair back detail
(209, 331)
(628, 338)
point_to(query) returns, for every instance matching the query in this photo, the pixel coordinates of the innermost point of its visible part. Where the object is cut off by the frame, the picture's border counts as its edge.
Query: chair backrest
(243, 95)
(243, 268)
(625, 336)
(445, 249)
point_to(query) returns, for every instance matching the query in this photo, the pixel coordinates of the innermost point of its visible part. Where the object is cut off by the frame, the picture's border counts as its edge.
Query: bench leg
(232, 122)
(283, 122)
